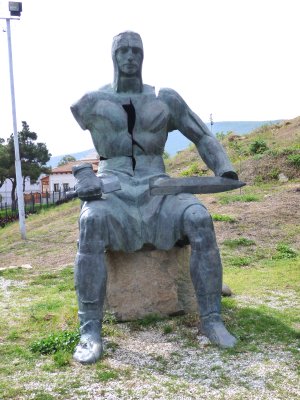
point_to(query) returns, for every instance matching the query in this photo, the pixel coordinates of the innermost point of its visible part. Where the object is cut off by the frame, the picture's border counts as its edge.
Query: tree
(4, 161)
(66, 159)
(34, 157)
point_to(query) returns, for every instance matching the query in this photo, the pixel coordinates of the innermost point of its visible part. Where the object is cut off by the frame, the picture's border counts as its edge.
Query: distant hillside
(82, 154)
(260, 156)
(176, 141)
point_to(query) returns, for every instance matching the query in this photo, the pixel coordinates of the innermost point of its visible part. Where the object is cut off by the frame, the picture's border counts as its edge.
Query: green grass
(223, 218)
(284, 251)
(240, 261)
(193, 169)
(261, 313)
(267, 276)
(56, 342)
(245, 198)
(234, 243)
(260, 322)
(254, 324)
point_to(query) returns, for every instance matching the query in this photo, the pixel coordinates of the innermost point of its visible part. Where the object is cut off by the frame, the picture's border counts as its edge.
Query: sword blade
(193, 184)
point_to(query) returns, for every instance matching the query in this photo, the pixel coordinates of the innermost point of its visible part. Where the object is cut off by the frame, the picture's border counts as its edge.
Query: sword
(193, 184)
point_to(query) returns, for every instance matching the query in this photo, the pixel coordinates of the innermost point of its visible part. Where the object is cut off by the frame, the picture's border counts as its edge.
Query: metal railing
(33, 202)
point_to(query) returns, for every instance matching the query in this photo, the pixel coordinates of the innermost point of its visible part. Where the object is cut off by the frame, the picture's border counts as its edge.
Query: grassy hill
(258, 157)
(258, 233)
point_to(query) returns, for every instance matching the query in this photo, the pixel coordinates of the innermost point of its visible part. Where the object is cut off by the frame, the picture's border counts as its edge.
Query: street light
(15, 9)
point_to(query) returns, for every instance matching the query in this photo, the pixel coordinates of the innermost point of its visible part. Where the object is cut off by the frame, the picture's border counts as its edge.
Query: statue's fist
(87, 184)
(230, 175)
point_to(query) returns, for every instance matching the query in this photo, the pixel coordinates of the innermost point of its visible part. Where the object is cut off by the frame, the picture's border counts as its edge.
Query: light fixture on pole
(211, 122)
(15, 9)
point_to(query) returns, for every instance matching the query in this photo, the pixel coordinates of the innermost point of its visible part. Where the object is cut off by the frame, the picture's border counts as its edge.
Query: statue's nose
(130, 55)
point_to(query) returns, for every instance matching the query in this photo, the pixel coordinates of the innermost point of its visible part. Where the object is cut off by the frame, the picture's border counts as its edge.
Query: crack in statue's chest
(129, 128)
(131, 119)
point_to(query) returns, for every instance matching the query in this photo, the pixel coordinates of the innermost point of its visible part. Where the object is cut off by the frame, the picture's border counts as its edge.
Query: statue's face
(129, 59)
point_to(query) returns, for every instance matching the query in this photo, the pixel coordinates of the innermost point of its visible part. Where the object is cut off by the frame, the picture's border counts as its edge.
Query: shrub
(220, 135)
(274, 173)
(294, 159)
(284, 251)
(55, 342)
(258, 179)
(258, 147)
(166, 155)
(192, 170)
(167, 329)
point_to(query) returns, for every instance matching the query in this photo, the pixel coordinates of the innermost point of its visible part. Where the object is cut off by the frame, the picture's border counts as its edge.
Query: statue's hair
(125, 39)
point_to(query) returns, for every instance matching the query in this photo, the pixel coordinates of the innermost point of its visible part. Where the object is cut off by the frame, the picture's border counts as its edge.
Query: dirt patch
(271, 220)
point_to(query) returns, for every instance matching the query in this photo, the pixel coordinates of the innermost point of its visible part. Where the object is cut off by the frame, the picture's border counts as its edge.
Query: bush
(192, 170)
(284, 252)
(55, 342)
(258, 147)
(294, 159)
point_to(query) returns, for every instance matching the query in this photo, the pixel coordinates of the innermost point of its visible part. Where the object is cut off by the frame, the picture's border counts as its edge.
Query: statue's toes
(88, 351)
(218, 334)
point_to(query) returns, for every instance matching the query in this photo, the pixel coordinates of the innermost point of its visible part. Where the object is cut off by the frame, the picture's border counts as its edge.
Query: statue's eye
(123, 50)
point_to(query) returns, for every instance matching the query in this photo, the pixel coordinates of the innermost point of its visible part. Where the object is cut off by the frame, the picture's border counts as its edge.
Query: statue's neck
(129, 85)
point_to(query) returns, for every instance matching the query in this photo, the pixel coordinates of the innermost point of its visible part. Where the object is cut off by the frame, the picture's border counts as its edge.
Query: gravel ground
(156, 366)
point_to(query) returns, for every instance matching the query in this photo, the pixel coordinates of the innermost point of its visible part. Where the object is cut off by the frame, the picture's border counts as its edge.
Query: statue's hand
(230, 175)
(87, 184)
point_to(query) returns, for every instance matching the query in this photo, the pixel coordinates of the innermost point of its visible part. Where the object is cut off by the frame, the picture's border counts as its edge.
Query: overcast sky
(236, 59)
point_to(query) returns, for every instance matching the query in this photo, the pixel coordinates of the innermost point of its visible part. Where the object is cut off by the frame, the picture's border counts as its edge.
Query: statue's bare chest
(145, 113)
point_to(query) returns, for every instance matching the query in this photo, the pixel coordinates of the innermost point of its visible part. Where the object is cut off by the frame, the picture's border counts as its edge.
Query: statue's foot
(88, 350)
(213, 327)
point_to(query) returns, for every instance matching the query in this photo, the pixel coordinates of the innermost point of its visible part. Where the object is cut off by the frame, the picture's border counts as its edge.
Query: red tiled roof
(67, 168)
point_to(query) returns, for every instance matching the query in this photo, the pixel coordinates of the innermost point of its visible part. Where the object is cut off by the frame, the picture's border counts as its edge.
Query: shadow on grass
(259, 325)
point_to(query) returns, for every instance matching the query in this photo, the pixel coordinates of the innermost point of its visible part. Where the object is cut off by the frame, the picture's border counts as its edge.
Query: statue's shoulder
(83, 108)
(90, 98)
(173, 99)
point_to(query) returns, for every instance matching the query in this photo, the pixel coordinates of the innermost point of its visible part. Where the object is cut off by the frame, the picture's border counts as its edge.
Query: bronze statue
(129, 124)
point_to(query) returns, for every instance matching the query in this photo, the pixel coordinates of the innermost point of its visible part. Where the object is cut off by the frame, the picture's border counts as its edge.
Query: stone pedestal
(149, 282)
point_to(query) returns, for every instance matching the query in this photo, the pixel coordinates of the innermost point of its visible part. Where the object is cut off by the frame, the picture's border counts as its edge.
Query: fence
(33, 201)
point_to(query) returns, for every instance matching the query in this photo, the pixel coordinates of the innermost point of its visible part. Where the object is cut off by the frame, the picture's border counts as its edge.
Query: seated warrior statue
(129, 124)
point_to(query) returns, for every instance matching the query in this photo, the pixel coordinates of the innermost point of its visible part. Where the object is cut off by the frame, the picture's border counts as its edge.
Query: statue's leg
(90, 284)
(206, 274)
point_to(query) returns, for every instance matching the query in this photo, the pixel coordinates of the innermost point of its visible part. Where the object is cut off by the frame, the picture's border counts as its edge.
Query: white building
(5, 190)
(61, 178)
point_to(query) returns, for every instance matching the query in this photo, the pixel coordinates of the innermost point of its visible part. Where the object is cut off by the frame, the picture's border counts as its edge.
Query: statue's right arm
(81, 110)
(191, 126)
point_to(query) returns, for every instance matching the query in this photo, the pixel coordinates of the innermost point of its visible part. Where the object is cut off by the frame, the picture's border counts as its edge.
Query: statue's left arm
(191, 126)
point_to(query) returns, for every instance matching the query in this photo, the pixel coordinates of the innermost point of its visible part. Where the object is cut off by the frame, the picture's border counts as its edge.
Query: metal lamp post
(15, 9)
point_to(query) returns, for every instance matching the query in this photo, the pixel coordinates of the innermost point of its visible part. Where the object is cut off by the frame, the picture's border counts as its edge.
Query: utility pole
(15, 9)
(211, 122)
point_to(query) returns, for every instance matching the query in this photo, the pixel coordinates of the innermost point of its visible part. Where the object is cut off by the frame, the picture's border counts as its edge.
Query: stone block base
(149, 282)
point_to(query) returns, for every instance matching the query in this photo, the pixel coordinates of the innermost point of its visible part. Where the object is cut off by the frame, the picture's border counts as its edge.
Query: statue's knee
(197, 217)
(90, 220)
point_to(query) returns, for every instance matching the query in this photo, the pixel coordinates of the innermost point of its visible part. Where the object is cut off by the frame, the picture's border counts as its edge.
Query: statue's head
(127, 55)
